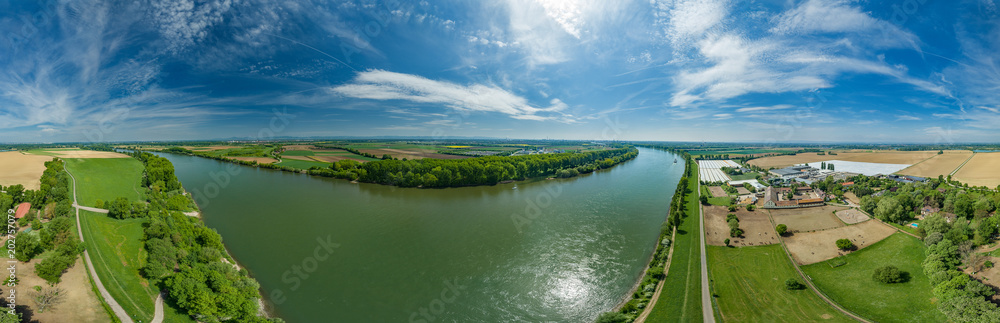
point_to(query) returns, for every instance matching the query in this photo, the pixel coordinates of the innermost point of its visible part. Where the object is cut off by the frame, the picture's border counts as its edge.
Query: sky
(694, 70)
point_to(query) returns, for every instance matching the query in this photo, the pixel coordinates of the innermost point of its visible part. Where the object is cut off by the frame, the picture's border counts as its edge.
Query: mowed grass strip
(750, 284)
(301, 164)
(680, 300)
(117, 254)
(851, 285)
(106, 179)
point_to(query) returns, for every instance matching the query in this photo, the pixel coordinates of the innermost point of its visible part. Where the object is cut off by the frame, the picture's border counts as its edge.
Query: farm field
(757, 229)
(259, 160)
(411, 153)
(711, 170)
(880, 157)
(852, 216)
(750, 284)
(851, 285)
(812, 247)
(808, 219)
(680, 299)
(981, 170)
(24, 169)
(77, 153)
(866, 168)
(942, 164)
(106, 179)
(738, 152)
(301, 164)
(81, 304)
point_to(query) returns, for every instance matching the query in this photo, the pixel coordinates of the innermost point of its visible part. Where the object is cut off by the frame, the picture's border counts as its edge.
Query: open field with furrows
(410, 153)
(750, 284)
(76, 153)
(757, 229)
(812, 247)
(680, 298)
(106, 179)
(882, 157)
(808, 218)
(982, 170)
(740, 152)
(852, 287)
(942, 164)
(327, 155)
(24, 169)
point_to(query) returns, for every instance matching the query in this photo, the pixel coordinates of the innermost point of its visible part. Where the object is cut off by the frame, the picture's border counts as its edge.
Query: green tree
(889, 275)
(119, 208)
(28, 246)
(727, 242)
(612, 317)
(781, 229)
(845, 244)
(890, 210)
(792, 284)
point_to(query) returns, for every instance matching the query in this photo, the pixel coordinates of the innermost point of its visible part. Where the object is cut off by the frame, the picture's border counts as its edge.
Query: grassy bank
(117, 253)
(106, 179)
(851, 285)
(680, 300)
(750, 286)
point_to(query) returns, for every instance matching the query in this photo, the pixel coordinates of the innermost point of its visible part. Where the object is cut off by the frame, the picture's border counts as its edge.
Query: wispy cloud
(385, 85)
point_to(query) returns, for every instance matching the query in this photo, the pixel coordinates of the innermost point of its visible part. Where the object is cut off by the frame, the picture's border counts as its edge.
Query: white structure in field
(711, 170)
(869, 169)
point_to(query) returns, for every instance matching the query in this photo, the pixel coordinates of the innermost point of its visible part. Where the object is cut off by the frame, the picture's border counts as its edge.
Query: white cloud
(566, 13)
(686, 20)
(907, 118)
(385, 85)
(185, 22)
(770, 108)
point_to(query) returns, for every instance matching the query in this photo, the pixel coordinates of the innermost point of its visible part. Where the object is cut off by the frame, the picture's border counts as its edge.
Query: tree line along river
(328, 250)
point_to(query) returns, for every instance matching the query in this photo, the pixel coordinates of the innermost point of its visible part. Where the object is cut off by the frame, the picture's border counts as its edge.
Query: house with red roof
(22, 210)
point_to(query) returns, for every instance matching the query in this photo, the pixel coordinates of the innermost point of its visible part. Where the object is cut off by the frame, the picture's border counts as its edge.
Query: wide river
(326, 250)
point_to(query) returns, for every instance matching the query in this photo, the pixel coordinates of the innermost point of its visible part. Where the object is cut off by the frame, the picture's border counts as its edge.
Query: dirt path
(706, 295)
(659, 286)
(115, 307)
(158, 316)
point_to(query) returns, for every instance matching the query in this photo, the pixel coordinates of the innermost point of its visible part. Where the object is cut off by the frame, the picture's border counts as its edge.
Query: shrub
(845, 244)
(781, 229)
(732, 217)
(792, 284)
(732, 208)
(751, 207)
(656, 272)
(727, 242)
(988, 264)
(889, 275)
(735, 232)
(612, 317)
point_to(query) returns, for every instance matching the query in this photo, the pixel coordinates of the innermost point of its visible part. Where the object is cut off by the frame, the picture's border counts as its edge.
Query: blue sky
(702, 70)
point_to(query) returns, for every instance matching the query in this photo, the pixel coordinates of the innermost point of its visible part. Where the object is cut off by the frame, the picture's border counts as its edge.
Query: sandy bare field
(757, 229)
(942, 164)
(853, 198)
(717, 191)
(988, 276)
(80, 303)
(24, 169)
(982, 170)
(299, 147)
(259, 160)
(808, 219)
(852, 216)
(813, 247)
(884, 157)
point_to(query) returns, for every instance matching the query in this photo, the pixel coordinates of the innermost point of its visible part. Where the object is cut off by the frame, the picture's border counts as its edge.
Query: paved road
(706, 295)
(115, 307)
(87, 208)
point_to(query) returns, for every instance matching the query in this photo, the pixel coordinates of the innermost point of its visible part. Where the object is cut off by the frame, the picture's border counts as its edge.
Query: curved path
(659, 286)
(707, 313)
(115, 307)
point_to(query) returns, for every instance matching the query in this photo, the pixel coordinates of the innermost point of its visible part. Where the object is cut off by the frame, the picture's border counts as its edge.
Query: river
(326, 250)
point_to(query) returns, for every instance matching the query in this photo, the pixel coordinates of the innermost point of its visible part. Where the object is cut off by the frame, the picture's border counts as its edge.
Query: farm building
(22, 210)
(753, 182)
(773, 199)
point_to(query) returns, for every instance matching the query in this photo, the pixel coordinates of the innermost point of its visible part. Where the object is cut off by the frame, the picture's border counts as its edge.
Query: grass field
(680, 300)
(981, 170)
(744, 176)
(750, 284)
(117, 253)
(851, 285)
(106, 179)
(301, 164)
(298, 153)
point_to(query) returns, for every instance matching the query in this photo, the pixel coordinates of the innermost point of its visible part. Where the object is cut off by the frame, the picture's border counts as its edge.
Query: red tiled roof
(810, 201)
(22, 210)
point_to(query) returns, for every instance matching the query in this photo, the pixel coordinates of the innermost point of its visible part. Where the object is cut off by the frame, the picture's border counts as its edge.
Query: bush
(735, 232)
(612, 317)
(727, 242)
(792, 284)
(751, 207)
(845, 244)
(889, 275)
(781, 229)
(988, 264)
(656, 272)
(732, 217)
(732, 208)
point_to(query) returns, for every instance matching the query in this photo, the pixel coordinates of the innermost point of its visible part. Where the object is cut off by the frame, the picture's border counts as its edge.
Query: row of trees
(185, 257)
(474, 171)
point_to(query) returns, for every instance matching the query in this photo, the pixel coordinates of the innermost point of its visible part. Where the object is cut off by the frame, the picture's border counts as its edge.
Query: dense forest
(185, 257)
(488, 170)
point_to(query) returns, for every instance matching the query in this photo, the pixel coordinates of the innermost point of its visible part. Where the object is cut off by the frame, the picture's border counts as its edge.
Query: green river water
(327, 250)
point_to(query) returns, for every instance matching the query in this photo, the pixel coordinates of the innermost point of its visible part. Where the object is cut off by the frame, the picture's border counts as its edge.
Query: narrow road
(706, 295)
(115, 307)
(91, 209)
